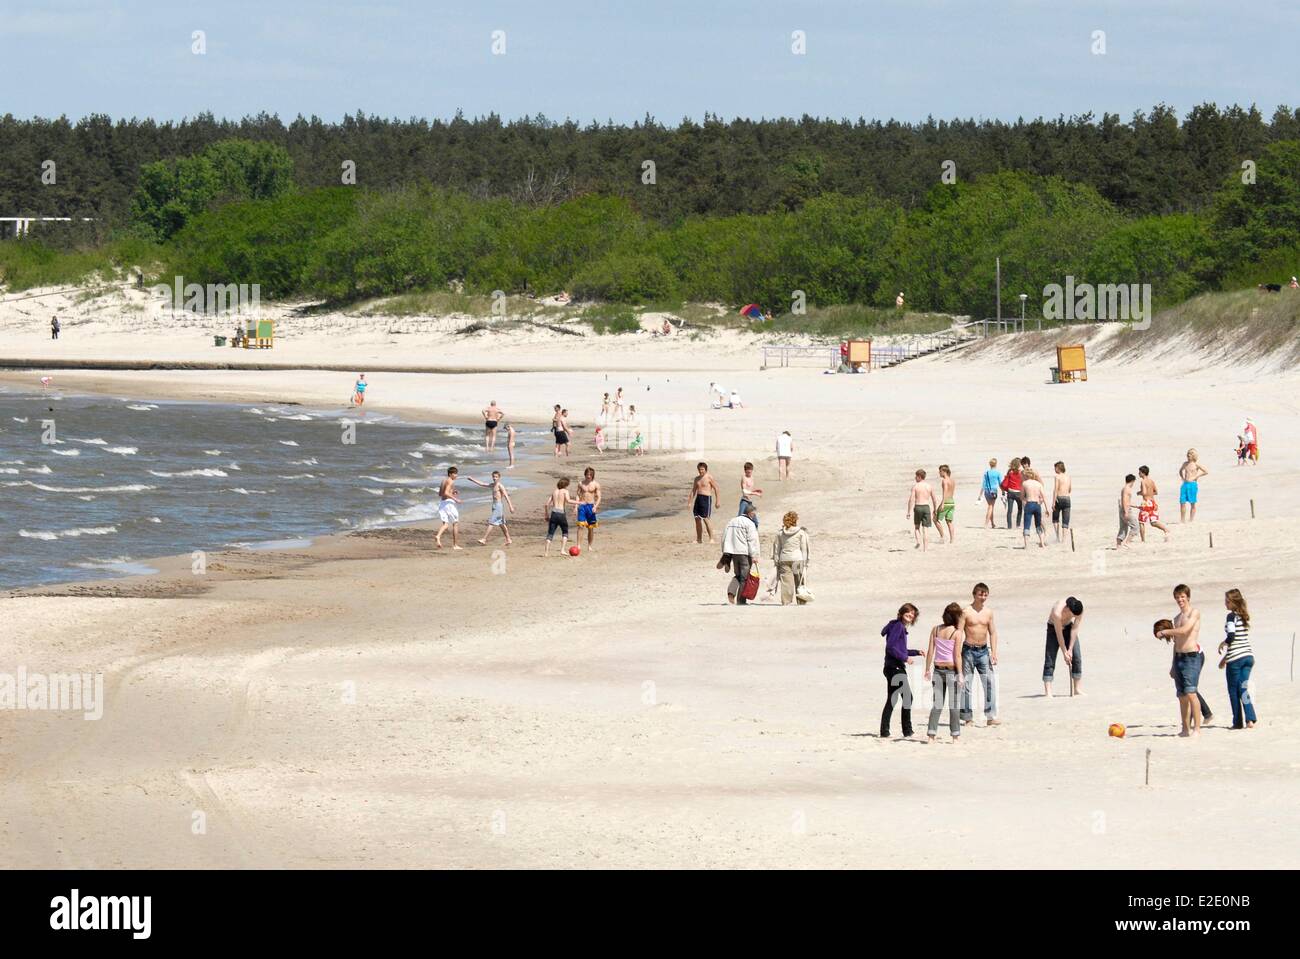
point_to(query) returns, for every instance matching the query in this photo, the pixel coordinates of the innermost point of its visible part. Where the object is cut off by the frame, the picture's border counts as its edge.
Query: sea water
(92, 487)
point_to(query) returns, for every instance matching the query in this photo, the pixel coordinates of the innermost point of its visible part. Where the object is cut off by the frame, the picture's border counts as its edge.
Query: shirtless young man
(448, 509)
(1188, 661)
(1149, 511)
(1063, 625)
(1035, 506)
(588, 505)
(1061, 486)
(920, 502)
(1127, 512)
(1190, 473)
(702, 501)
(510, 445)
(500, 500)
(492, 416)
(948, 505)
(556, 511)
(749, 493)
(979, 653)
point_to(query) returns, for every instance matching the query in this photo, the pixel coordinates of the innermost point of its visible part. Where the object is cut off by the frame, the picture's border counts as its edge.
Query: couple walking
(967, 636)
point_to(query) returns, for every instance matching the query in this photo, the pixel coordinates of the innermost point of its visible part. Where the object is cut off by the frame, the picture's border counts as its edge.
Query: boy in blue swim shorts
(1190, 473)
(588, 504)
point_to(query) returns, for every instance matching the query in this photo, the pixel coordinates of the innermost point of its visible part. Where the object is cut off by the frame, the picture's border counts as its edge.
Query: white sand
(613, 711)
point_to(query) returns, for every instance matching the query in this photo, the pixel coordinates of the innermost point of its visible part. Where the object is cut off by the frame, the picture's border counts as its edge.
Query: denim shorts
(1187, 672)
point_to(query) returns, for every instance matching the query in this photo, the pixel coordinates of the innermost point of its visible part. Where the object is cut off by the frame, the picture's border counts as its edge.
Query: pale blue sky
(621, 59)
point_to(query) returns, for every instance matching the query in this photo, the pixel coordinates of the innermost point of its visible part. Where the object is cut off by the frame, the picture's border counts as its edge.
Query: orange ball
(574, 551)
(1117, 730)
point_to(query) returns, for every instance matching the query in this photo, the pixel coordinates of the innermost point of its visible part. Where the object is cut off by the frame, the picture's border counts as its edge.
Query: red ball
(1117, 730)
(574, 551)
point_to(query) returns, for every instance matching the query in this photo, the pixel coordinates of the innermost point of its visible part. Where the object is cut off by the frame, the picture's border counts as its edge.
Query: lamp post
(1023, 297)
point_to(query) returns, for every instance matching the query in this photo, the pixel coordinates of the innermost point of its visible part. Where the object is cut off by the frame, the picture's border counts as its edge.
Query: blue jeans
(976, 659)
(1238, 692)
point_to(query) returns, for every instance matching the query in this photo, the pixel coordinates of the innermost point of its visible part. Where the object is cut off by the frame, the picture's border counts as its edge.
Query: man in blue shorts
(588, 504)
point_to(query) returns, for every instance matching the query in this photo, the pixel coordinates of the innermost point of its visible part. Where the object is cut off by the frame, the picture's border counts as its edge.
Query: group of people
(1238, 659)
(963, 645)
(555, 510)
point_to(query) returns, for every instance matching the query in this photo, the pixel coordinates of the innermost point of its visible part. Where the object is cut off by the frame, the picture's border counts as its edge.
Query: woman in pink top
(942, 658)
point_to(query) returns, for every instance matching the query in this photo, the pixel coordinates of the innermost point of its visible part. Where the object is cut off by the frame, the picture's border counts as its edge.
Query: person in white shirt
(784, 450)
(740, 550)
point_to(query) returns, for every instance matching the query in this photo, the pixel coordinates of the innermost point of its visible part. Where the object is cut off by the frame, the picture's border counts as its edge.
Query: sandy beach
(369, 701)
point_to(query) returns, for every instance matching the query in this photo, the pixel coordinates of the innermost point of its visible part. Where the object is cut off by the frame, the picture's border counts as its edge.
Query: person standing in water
(510, 445)
(492, 416)
(500, 500)
(448, 509)
(703, 498)
(359, 390)
(589, 497)
(560, 427)
(1190, 473)
(1061, 486)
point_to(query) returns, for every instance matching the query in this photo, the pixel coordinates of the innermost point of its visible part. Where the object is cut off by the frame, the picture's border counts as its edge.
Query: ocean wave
(19, 419)
(310, 461)
(123, 450)
(399, 481)
(61, 534)
(5, 470)
(372, 492)
(41, 470)
(205, 472)
(97, 441)
(288, 443)
(130, 488)
(142, 406)
(300, 416)
(66, 452)
(293, 476)
(213, 452)
(248, 492)
(442, 449)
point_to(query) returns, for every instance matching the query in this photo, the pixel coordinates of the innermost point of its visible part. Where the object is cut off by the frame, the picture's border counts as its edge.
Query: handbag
(750, 589)
(802, 594)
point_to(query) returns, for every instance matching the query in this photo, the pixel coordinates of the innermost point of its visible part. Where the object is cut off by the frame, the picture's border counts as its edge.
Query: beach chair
(261, 336)
(1071, 364)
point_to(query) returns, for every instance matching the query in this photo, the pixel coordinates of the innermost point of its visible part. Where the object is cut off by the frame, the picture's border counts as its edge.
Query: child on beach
(1189, 659)
(920, 502)
(748, 491)
(1035, 505)
(948, 503)
(500, 500)
(1190, 473)
(941, 659)
(897, 656)
(556, 513)
(1238, 659)
(448, 509)
(702, 500)
(1061, 487)
(359, 390)
(1166, 624)
(510, 445)
(636, 445)
(600, 439)
(1241, 450)
(784, 452)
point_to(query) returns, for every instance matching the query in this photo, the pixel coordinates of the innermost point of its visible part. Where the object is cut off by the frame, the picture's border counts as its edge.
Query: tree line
(1156, 162)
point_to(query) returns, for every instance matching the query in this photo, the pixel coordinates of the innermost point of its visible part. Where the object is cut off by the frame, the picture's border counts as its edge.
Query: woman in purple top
(897, 656)
(943, 657)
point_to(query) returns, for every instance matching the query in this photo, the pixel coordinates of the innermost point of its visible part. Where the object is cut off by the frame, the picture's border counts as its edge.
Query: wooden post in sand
(1071, 539)
(1293, 657)
(1211, 540)
(1148, 779)
(1252, 509)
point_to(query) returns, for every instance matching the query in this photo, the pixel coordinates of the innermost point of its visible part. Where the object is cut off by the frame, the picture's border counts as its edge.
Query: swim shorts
(490, 424)
(921, 515)
(447, 511)
(498, 517)
(1149, 512)
(561, 438)
(946, 511)
(558, 521)
(1061, 511)
(703, 506)
(1034, 512)
(1187, 672)
(587, 515)
(1187, 492)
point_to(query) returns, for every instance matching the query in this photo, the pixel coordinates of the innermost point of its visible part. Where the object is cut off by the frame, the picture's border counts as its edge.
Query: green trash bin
(1056, 374)
(218, 341)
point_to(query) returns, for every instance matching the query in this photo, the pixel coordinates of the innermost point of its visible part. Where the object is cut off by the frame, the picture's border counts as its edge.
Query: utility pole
(998, 261)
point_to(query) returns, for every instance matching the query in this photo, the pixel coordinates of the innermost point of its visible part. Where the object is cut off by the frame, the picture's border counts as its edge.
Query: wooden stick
(1252, 509)
(1293, 657)
(1148, 779)
(1211, 540)
(1071, 539)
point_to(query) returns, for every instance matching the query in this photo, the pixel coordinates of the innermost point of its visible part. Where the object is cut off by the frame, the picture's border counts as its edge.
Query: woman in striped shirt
(1238, 658)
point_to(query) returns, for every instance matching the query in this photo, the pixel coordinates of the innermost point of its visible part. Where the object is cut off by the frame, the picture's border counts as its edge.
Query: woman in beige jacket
(790, 553)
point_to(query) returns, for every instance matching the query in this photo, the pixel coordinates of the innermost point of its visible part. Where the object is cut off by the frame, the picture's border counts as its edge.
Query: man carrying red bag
(740, 553)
